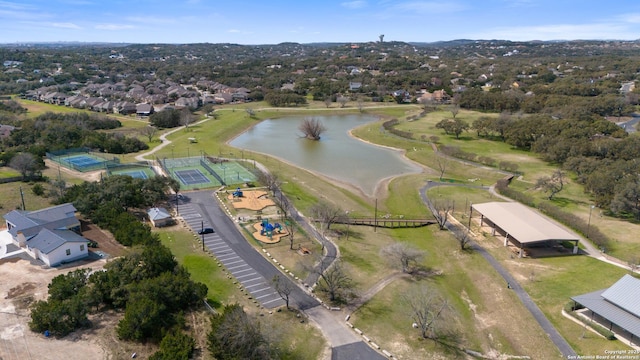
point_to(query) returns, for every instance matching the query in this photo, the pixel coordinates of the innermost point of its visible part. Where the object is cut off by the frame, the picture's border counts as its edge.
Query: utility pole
(22, 196)
(202, 233)
(375, 217)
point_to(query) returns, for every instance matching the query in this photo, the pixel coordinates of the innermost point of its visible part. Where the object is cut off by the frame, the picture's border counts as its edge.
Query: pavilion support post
(506, 239)
(493, 231)
(521, 253)
(610, 325)
(575, 248)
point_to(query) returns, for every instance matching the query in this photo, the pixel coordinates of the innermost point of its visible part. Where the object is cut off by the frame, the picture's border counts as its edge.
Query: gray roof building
(29, 223)
(619, 304)
(48, 240)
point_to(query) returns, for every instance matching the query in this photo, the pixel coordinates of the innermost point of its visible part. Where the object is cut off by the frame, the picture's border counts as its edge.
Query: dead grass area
(22, 284)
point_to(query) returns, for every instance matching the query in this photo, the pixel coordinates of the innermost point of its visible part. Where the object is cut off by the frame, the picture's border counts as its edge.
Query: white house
(51, 235)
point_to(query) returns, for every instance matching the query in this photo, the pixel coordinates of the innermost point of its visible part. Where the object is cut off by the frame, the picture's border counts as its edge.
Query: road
(562, 345)
(200, 208)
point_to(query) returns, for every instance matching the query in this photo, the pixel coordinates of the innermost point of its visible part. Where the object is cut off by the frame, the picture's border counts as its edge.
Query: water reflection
(336, 155)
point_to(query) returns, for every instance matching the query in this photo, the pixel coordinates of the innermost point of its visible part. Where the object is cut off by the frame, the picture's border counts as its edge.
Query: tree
(186, 117)
(429, 311)
(144, 318)
(25, 163)
(360, 103)
(176, 345)
(463, 236)
(342, 100)
(283, 287)
(335, 282)
(312, 128)
(327, 102)
(453, 126)
(442, 165)
(404, 254)
(234, 335)
(269, 180)
(454, 109)
(326, 213)
(626, 200)
(149, 131)
(551, 184)
(441, 211)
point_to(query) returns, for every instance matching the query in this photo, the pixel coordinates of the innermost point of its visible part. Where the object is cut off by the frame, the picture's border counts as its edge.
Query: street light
(589, 222)
(348, 222)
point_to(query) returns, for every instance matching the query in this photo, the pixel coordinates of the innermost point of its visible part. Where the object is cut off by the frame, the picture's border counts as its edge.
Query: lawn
(11, 198)
(300, 338)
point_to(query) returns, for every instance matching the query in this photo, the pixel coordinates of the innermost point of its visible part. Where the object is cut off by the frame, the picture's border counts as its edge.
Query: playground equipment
(237, 193)
(268, 228)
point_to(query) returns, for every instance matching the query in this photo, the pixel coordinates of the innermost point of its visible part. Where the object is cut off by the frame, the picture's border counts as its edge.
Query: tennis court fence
(213, 173)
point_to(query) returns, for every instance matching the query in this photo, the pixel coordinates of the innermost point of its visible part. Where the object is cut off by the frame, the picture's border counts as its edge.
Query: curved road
(546, 325)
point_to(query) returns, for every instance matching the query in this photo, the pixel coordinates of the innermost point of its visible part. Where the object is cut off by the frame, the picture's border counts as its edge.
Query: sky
(309, 21)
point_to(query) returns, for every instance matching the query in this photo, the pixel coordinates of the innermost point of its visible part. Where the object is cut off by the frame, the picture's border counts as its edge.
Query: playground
(251, 200)
(269, 233)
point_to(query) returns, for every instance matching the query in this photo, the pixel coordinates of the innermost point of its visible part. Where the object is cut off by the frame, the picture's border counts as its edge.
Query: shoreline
(380, 189)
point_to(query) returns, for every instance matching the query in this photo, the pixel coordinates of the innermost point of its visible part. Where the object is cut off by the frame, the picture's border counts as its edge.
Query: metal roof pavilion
(522, 223)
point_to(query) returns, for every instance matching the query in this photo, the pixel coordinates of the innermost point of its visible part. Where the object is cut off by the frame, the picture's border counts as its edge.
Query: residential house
(355, 86)
(144, 109)
(50, 235)
(160, 217)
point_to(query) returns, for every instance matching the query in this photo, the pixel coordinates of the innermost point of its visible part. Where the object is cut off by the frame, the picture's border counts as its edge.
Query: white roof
(522, 223)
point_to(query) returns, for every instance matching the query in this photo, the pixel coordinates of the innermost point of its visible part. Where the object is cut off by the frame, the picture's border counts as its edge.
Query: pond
(337, 155)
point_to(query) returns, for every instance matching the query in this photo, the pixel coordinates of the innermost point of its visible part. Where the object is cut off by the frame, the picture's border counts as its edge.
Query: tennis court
(136, 174)
(82, 161)
(191, 177)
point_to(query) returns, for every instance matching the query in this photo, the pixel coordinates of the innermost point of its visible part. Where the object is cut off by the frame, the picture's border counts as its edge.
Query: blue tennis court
(191, 177)
(82, 160)
(136, 174)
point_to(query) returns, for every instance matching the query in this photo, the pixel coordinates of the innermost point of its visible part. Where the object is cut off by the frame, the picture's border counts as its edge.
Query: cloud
(429, 7)
(150, 20)
(558, 32)
(114, 27)
(358, 4)
(65, 25)
(633, 18)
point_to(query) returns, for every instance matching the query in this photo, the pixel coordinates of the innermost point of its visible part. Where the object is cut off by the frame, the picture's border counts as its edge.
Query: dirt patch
(21, 285)
(252, 200)
(86, 176)
(108, 247)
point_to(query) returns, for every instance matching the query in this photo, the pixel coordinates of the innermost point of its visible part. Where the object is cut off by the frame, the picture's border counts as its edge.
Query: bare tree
(342, 100)
(283, 287)
(464, 237)
(441, 211)
(360, 103)
(551, 184)
(442, 165)
(25, 163)
(149, 131)
(186, 117)
(428, 104)
(290, 226)
(326, 213)
(408, 256)
(335, 282)
(250, 112)
(312, 128)
(454, 109)
(270, 180)
(327, 102)
(429, 311)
